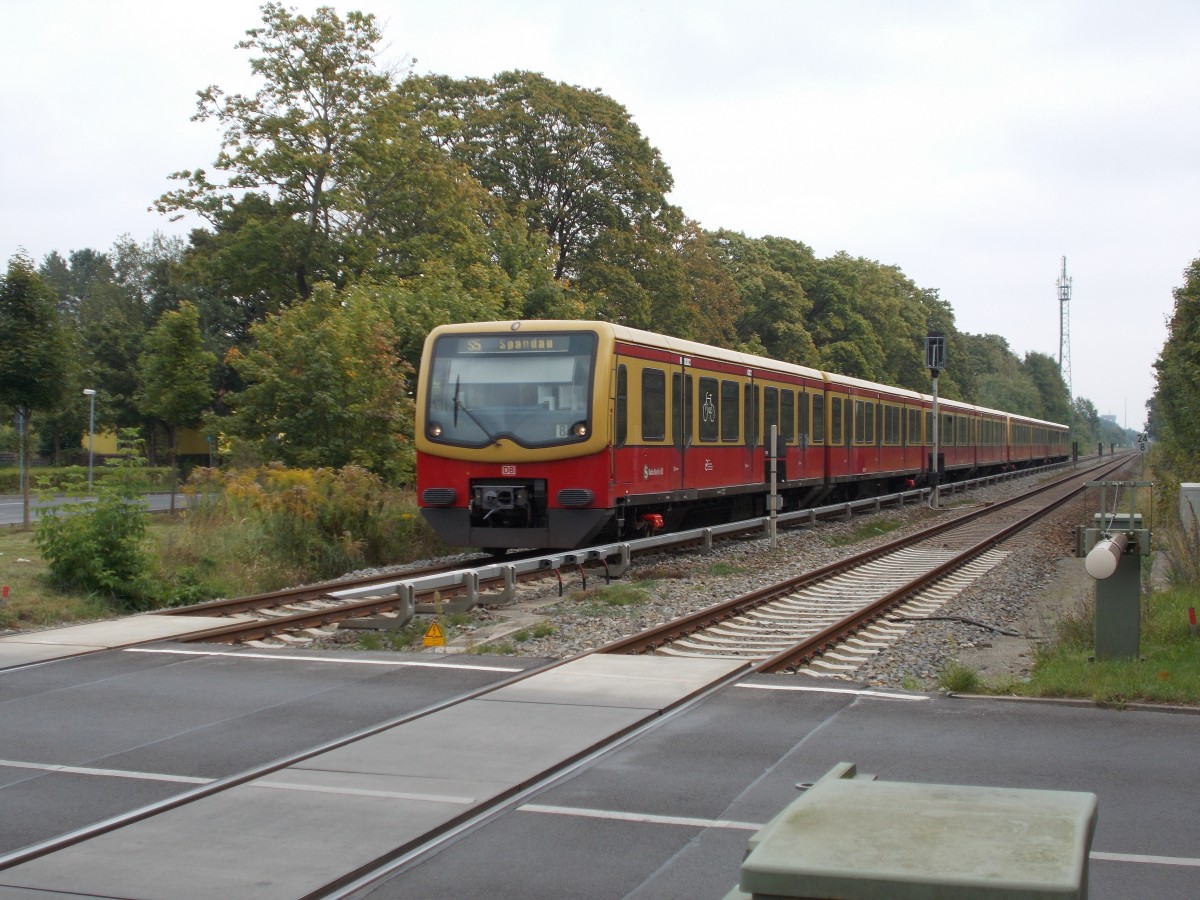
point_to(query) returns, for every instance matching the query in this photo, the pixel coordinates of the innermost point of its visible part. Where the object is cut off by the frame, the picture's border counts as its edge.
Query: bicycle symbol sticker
(708, 411)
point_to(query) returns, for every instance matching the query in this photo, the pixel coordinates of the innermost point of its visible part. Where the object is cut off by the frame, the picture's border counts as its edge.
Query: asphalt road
(11, 512)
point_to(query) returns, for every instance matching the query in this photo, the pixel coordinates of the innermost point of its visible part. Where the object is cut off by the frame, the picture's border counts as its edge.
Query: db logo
(508, 470)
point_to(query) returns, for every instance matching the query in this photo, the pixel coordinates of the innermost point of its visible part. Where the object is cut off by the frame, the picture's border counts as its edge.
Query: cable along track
(828, 622)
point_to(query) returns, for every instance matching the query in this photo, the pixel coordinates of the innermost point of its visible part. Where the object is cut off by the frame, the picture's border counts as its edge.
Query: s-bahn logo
(648, 472)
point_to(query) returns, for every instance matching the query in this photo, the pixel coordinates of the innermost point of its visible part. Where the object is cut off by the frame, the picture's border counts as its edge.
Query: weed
(911, 682)
(404, 639)
(520, 636)
(662, 572)
(959, 679)
(543, 630)
(864, 532)
(499, 648)
(721, 570)
(611, 599)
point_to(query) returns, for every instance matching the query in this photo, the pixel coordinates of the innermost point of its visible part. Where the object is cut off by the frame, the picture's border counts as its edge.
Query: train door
(790, 456)
(682, 405)
(840, 435)
(750, 430)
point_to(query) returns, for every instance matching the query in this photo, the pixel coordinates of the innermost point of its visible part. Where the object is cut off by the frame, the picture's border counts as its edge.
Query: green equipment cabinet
(1113, 547)
(853, 837)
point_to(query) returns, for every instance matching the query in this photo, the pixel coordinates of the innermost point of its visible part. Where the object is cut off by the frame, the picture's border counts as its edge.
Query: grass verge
(1167, 671)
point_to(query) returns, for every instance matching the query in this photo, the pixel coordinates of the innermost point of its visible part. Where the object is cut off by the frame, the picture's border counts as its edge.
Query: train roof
(693, 348)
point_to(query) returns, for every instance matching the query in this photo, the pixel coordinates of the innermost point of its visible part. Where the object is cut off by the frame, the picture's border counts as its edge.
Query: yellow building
(191, 443)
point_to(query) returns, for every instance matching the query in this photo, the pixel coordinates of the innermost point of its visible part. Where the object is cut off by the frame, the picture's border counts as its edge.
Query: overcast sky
(971, 144)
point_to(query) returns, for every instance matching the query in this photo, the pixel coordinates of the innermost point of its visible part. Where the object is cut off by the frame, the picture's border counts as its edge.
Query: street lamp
(88, 392)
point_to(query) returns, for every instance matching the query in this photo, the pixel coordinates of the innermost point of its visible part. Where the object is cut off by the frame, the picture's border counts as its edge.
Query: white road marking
(107, 773)
(612, 815)
(817, 689)
(326, 659)
(639, 817)
(752, 826)
(359, 792)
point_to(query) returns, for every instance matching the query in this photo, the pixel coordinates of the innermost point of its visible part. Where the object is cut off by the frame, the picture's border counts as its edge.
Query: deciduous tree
(33, 348)
(176, 375)
(325, 386)
(294, 140)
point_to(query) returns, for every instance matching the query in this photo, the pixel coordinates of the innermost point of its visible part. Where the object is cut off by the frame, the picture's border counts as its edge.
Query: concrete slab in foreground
(72, 640)
(301, 828)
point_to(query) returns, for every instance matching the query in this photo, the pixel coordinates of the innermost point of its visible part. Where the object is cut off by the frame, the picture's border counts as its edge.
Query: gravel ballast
(1011, 610)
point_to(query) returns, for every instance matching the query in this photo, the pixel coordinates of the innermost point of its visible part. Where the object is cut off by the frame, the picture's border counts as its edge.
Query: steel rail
(651, 639)
(829, 637)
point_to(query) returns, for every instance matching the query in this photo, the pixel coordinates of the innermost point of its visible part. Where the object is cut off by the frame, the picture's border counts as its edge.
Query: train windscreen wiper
(458, 404)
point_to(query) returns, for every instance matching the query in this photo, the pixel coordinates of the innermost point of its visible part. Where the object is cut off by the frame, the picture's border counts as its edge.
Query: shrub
(98, 546)
(306, 523)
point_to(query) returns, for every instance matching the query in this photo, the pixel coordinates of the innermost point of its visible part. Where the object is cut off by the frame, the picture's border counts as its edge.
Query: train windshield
(534, 389)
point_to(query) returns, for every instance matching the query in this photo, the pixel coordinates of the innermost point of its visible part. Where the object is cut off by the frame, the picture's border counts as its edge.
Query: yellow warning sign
(434, 637)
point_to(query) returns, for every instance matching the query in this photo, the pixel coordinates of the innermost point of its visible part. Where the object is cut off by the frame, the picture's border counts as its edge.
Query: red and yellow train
(551, 434)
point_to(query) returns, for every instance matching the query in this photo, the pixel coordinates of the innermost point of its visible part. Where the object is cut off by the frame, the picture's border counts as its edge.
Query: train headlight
(579, 429)
(435, 429)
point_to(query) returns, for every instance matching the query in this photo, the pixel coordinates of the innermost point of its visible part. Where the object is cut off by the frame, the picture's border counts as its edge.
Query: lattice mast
(1064, 329)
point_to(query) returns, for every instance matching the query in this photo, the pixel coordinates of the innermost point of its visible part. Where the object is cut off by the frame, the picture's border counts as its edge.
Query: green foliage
(293, 525)
(612, 599)
(404, 639)
(1177, 396)
(494, 648)
(98, 546)
(296, 138)
(871, 529)
(571, 161)
(1167, 672)
(959, 679)
(773, 307)
(176, 372)
(325, 387)
(33, 342)
(1043, 371)
(63, 479)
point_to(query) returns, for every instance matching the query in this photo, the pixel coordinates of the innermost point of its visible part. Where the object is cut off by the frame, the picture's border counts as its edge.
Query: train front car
(512, 433)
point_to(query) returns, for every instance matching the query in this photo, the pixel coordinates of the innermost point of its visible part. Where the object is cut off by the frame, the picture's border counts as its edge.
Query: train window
(751, 413)
(729, 411)
(787, 415)
(802, 431)
(860, 422)
(870, 423)
(928, 427)
(534, 389)
(962, 431)
(708, 410)
(818, 418)
(913, 437)
(654, 405)
(891, 423)
(622, 406)
(946, 430)
(835, 420)
(770, 412)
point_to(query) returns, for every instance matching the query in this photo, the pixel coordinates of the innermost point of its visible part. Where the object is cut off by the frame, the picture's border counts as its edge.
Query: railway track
(303, 614)
(828, 621)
